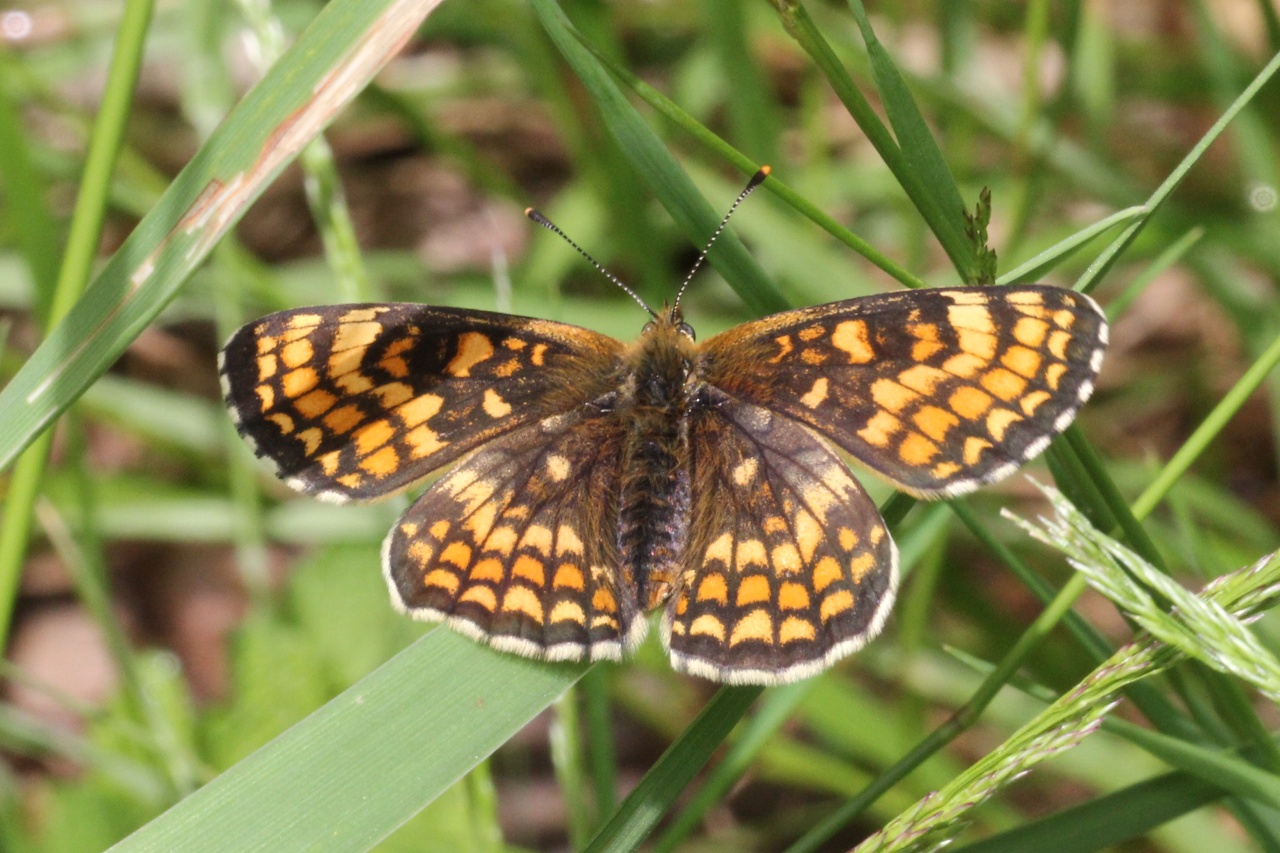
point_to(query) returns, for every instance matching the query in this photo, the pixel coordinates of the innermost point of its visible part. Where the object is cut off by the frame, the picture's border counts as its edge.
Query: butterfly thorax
(654, 504)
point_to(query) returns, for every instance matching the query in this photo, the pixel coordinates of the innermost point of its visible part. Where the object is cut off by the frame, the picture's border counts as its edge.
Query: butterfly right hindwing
(789, 566)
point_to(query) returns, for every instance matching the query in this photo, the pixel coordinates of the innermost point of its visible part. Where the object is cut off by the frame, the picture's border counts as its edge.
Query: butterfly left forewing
(358, 401)
(788, 567)
(938, 390)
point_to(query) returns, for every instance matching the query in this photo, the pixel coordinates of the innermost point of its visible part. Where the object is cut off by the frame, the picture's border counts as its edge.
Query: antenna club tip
(766, 169)
(529, 212)
(758, 178)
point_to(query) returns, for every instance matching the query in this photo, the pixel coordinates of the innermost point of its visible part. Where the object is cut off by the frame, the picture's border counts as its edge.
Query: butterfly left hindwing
(515, 545)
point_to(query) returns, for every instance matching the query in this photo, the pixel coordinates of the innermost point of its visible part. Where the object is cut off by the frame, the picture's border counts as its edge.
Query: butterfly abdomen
(653, 516)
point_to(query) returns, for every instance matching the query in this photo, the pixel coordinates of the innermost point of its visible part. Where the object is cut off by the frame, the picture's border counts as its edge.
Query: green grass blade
(666, 780)
(775, 710)
(325, 198)
(331, 60)
(1036, 268)
(77, 263)
(753, 115)
(1103, 263)
(1107, 820)
(1227, 773)
(672, 111)
(26, 193)
(568, 763)
(1208, 430)
(349, 774)
(1117, 306)
(914, 137)
(947, 227)
(659, 169)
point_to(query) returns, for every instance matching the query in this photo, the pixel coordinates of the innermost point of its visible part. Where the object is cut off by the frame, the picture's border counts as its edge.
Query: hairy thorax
(654, 505)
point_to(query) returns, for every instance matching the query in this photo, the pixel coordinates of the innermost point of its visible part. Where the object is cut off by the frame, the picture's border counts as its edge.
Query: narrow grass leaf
(349, 774)
(73, 273)
(25, 193)
(659, 169)
(1101, 822)
(774, 185)
(753, 113)
(1226, 772)
(329, 63)
(640, 812)
(914, 137)
(1039, 266)
(775, 710)
(1103, 263)
(800, 25)
(325, 197)
(1213, 424)
(1172, 254)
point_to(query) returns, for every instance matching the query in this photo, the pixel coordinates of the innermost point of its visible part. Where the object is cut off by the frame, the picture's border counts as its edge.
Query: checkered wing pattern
(789, 567)
(516, 546)
(359, 401)
(940, 391)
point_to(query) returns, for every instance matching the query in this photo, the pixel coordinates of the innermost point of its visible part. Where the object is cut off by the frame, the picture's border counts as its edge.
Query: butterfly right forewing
(938, 390)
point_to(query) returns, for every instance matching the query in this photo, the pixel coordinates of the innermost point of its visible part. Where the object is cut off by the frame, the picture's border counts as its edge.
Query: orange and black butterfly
(596, 480)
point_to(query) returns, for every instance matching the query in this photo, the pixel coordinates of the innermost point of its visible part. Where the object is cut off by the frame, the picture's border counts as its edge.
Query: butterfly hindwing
(789, 566)
(358, 401)
(937, 390)
(516, 545)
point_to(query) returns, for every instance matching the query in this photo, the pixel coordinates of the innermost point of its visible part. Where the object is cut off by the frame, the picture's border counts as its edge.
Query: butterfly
(595, 480)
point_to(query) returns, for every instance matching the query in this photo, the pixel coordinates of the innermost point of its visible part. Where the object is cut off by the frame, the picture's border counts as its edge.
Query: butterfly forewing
(789, 566)
(940, 391)
(516, 544)
(358, 401)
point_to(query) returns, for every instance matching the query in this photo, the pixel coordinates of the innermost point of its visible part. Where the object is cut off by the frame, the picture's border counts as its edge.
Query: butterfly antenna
(756, 180)
(536, 216)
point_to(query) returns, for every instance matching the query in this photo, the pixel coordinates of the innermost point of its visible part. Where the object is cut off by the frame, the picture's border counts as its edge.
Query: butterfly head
(669, 321)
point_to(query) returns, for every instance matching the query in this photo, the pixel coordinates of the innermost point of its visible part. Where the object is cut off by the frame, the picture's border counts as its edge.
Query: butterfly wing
(790, 567)
(358, 401)
(937, 390)
(516, 546)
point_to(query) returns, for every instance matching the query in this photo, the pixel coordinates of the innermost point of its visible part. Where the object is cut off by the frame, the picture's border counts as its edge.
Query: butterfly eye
(648, 327)
(687, 330)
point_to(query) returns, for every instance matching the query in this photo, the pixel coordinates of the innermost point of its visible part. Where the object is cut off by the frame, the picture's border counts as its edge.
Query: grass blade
(349, 774)
(696, 218)
(330, 62)
(1108, 820)
(666, 780)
